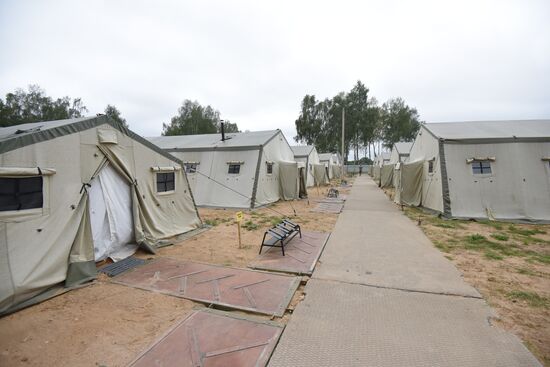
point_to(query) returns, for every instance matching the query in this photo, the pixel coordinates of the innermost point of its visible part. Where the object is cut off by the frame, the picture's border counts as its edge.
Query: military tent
(400, 152)
(306, 156)
(238, 170)
(76, 191)
(485, 169)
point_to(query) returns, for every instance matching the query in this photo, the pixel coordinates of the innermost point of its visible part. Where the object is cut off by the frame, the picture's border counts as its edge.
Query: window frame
(230, 165)
(17, 194)
(187, 166)
(164, 192)
(483, 171)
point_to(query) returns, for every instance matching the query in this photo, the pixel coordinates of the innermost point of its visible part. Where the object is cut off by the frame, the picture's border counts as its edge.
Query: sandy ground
(509, 264)
(106, 324)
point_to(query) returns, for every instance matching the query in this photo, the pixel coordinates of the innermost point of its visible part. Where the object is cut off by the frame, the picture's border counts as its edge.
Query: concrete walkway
(382, 295)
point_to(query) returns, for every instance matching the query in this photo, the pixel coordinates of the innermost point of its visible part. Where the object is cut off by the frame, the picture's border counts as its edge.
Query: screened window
(269, 168)
(190, 167)
(431, 166)
(21, 193)
(481, 167)
(234, 168)
(166, 181)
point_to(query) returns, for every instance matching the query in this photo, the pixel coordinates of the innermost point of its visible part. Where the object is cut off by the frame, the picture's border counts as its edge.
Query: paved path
(382, 295)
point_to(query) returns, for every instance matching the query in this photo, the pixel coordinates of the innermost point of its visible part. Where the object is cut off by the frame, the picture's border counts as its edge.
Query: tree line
(34, 105)
(366, 122)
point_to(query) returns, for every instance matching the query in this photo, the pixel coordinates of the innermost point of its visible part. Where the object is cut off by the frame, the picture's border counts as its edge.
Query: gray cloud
(254, 61)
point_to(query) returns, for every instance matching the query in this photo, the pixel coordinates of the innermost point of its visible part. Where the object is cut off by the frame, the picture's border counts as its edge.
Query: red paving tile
(213, 339)
(329, 207)
(243, 289)
(301, 254)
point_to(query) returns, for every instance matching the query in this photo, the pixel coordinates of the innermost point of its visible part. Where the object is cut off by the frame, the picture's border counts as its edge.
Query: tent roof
(325, 156)
(488, 130)
(302, 150)
(249, 139)
(403, 147)
(18, 136)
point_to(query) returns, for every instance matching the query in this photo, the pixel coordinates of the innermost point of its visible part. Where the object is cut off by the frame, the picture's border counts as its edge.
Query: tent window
(234, 168)
(481, 167)
(190, 167)
(21, 193)
(166, 181)
(431, 166)
(269, 168)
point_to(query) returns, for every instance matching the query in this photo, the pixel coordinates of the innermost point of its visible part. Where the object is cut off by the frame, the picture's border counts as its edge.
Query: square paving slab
(301, 255)
(242, 289)
(213, 339)
(342, 324)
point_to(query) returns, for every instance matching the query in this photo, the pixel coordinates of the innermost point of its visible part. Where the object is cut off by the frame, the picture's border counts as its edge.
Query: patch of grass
(250, 225)
(275, 220)
(526, 271)
(541, 258)
(491, 223)
(500, 237)
(442, 246)
(212, 222)
(492, 255)
(531, 298)
(525, 232)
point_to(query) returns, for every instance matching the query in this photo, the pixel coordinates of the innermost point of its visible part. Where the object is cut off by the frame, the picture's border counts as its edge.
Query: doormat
(121, 266)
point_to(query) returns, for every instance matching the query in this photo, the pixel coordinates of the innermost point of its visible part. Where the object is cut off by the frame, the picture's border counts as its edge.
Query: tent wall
(224, 189)
(44, 246)
(408, 180)
(386, 175)
(517, 188)
(320, 174)
(289, 180)
(426, 148)
(275, 151)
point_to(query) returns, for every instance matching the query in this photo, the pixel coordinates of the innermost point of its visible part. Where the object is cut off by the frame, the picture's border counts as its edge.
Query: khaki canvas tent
(329, 161)
(482, 169)
(307, 157)
(400, 152)
(241, 171)
(76, 191)
(379, 161)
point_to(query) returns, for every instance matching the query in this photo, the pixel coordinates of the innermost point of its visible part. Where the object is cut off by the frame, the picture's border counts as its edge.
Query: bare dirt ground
(106, 324)
(509, 264)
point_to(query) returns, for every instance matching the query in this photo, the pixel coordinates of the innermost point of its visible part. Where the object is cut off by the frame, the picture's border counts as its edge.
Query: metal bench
(282, 233)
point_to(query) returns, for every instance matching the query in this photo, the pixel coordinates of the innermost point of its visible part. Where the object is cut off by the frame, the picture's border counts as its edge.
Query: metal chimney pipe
(223, 131)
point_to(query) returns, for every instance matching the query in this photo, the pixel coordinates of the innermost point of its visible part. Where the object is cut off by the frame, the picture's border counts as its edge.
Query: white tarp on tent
(111, 216)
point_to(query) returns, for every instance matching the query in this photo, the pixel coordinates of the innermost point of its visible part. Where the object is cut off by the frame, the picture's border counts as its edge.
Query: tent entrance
(302, 193)
(110, 200)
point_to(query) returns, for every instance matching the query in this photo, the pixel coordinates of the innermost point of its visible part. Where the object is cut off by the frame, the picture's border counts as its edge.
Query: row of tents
(496, 170)
(77, 191)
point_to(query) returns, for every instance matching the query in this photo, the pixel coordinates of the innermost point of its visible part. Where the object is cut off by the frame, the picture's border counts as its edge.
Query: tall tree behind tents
(114, 113)
(192, 119)
(399, 122)
(229, 127)
(308, 126)
(33, 105)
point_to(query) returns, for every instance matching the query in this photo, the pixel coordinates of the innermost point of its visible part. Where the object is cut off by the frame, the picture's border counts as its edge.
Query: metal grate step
(121, 266)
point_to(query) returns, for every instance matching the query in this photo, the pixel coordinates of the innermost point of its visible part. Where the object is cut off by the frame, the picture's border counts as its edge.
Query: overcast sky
(255, 60)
